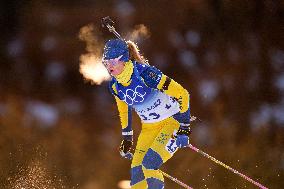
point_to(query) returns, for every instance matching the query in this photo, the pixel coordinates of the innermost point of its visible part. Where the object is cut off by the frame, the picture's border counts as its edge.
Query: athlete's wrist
(184, 131)
(127, 135)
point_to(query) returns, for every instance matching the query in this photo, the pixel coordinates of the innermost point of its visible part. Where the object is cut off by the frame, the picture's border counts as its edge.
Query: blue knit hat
(114, 48)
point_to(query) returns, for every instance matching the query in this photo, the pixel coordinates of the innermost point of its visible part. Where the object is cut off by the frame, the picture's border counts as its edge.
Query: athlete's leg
(162, 149)
(154, 147)
(148, 134)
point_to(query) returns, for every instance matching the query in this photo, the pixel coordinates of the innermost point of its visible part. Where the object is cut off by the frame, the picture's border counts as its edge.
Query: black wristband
(186, 132)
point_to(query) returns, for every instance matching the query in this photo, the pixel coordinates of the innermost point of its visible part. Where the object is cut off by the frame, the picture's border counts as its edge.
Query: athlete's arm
(125, 117)
(174, 89)
(154, 78)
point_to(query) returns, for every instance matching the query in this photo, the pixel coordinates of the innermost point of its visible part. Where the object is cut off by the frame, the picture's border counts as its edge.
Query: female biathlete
(161, 103)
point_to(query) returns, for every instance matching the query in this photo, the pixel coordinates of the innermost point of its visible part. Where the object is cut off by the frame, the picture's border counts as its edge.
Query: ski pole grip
(106, 21)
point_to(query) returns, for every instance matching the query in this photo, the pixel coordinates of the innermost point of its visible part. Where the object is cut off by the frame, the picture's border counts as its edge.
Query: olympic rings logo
(130, 96)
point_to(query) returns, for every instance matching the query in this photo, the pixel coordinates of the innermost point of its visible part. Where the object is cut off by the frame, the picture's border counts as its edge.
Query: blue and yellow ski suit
(163, 106)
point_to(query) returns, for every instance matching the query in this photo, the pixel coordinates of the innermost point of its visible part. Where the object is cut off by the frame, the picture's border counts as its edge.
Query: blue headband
(114, 48)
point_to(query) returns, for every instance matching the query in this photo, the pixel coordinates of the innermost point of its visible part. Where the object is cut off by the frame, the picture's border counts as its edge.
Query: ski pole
(130, 156)
(226, 166)
(175, 180)
(107, 22)
(193, 118)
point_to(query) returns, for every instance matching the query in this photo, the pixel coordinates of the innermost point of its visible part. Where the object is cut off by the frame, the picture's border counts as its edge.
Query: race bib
(159, 107)
(171, 146)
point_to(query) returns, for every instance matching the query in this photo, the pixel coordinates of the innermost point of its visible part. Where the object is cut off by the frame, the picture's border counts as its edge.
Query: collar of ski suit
(125, 76)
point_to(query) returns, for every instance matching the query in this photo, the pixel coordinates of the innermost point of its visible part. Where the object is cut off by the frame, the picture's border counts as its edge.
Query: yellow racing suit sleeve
(125, 117)
(175, 90)
(154, 78)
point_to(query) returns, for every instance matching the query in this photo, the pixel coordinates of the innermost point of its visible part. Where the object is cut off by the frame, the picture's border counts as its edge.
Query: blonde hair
(134, 53)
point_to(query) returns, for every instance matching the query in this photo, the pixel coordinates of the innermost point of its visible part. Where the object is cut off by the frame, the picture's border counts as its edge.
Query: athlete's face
(114, 66)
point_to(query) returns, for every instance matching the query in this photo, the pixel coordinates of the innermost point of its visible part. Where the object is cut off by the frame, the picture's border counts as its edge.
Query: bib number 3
(152, 116)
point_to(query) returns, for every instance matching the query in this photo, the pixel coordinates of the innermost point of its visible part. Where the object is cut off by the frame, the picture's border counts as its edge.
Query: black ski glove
(125, 148)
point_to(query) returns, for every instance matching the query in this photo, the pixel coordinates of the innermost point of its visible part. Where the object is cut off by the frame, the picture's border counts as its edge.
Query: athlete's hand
(125, 148)
(182, 137)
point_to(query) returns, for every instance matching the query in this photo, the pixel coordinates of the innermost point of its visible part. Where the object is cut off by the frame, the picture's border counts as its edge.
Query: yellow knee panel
(140, 185)
(148, 173)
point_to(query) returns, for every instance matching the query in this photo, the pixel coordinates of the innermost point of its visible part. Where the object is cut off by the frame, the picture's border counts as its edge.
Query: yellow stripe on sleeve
(162, 82)
(122, 109)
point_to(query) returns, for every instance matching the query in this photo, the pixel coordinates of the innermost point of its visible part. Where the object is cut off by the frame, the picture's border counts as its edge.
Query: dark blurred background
(57, 131)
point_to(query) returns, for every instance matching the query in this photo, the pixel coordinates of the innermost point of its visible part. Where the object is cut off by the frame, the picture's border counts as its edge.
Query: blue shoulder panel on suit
(152, 76)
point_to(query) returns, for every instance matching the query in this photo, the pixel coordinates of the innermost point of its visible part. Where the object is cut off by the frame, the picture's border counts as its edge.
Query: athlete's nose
(110, 66)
